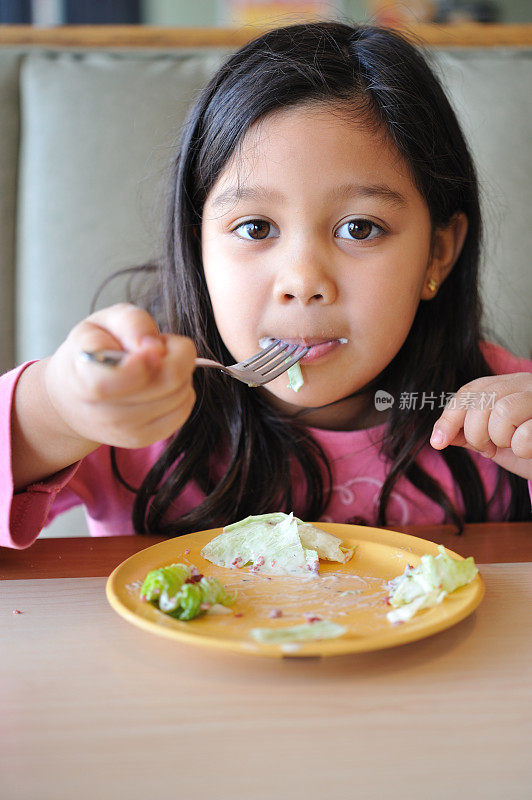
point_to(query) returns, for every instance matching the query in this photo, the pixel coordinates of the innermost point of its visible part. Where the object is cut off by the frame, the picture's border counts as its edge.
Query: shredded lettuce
(426, 585)
(294, 374)
(324, 629)
(295, 377)
(326, 545)
(180, 591)
(276, 543)
(167, 580)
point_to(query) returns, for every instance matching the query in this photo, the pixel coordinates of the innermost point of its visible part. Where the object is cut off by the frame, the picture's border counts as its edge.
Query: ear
(447, 244)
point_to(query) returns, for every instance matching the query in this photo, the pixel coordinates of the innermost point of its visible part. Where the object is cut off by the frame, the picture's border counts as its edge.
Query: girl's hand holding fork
(144, 400)
(65, 406)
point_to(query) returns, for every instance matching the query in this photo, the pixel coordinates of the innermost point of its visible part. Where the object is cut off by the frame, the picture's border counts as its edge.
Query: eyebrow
(345, 191)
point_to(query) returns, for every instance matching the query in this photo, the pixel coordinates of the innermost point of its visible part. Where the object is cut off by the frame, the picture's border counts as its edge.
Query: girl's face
(315, 234)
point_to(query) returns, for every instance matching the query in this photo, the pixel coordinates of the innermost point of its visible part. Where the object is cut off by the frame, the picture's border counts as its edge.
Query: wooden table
(92, 707)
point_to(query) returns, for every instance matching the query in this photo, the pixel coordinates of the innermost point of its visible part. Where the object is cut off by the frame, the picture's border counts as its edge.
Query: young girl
(322, 194)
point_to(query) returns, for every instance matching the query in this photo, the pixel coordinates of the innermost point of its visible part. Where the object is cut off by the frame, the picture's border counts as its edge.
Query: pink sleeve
(502, 361)
(24, 514)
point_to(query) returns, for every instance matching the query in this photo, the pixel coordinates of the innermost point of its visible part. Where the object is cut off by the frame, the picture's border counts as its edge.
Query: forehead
(315, 145)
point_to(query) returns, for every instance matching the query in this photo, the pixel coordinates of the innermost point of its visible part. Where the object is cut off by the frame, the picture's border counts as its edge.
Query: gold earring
(433, 285)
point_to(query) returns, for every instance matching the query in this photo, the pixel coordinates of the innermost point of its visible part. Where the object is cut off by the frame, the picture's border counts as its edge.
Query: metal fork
(257, 370)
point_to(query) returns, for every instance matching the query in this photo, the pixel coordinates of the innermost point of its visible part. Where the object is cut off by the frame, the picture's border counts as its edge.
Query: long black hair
(380, 74)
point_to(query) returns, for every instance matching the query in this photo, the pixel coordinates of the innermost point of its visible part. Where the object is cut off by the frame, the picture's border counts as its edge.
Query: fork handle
(112, 358)
(207, 362)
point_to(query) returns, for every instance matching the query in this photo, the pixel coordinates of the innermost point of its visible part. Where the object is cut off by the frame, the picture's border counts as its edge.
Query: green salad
(324, 629)
(295, 377)
(426, 585)
(277, 543)
(282, 544)
(180, 591)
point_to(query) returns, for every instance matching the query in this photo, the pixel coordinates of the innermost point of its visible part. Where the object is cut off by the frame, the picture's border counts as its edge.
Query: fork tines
(263, 356)
(284, 364)
(278, 359)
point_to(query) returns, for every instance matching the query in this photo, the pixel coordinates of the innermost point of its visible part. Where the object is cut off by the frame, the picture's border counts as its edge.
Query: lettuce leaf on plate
(426, 585)
(327, 546)
(180, 591)
(324, 629)
(277, 543)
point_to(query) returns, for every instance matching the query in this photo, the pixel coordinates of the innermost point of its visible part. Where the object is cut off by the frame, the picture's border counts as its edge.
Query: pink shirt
(358, 475)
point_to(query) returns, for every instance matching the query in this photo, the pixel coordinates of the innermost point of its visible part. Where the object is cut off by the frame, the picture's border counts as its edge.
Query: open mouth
(318, 348)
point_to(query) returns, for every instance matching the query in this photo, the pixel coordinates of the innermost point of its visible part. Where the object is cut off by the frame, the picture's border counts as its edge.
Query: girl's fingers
(180, 359)
(143, 376)
(174, 372)
(500, 429)
(129, 426)
(132, 376)
(473, 405)
(453, 419)
(521, 443)
(167, 423)
(146, 396)
(475, 431)
(460, 440)
(120, 327)
(508, 414)
(126, 323)
(517, 458)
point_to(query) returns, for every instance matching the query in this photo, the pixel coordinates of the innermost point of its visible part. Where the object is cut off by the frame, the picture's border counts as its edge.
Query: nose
(304, 278)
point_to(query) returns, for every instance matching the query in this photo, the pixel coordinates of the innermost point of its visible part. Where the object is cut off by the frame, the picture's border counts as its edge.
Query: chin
(307, 397)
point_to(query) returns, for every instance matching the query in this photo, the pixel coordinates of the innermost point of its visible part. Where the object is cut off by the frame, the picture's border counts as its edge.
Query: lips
(318, 346)
(319, 350)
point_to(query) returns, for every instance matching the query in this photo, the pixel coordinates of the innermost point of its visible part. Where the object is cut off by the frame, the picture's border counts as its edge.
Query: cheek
(393, 286)
(401, 303)
(219, 274)
(226, 275)
(389, 303)
(235, 292)
(231, 288)
(386, 306)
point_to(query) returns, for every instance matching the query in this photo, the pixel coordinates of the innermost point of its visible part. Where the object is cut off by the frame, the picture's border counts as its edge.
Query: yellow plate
(352, 595)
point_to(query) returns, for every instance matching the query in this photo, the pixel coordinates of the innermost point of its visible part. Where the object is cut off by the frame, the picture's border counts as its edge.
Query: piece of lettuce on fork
(276, 543)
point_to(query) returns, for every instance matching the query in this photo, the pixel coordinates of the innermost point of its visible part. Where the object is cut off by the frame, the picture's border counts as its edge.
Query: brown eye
(359, 228)
(256, 228)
